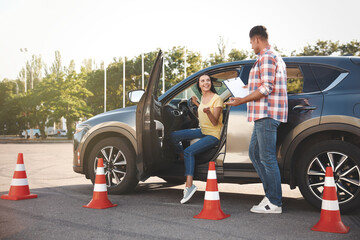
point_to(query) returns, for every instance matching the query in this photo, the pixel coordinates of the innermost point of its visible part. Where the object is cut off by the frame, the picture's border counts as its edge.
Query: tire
(120, 171)
(346, 167)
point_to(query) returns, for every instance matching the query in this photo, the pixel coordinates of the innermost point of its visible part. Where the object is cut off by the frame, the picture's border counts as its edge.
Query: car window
(245, 73)
(300, 80)
(295, 80)
(325, 75)
(217, 79)
(192, 90)
(187, 93)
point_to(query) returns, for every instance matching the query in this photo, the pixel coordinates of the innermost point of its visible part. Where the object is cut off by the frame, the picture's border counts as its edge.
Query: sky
(102, 30)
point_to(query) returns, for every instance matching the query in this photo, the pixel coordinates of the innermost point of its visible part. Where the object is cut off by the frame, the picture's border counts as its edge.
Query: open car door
(149, 129)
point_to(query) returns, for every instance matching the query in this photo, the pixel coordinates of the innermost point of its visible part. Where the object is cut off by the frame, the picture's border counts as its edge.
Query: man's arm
(254, 96)
(267, 67)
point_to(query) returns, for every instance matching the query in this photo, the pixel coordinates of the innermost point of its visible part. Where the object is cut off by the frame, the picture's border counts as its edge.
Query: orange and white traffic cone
(19, 189)
(330, 220)
(100, 197)
(212, 209)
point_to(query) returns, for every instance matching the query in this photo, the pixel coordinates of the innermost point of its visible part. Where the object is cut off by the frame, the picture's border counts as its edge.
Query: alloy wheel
(114, 165)
(346, 175)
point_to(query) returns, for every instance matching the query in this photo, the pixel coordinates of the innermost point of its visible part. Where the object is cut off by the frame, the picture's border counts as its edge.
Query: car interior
(179, 113)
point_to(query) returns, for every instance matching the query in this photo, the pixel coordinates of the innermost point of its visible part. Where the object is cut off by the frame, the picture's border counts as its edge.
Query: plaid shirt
(268, 74)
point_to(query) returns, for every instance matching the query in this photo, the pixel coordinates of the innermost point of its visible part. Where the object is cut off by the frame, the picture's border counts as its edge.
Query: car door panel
(238, 136)
(149, 128)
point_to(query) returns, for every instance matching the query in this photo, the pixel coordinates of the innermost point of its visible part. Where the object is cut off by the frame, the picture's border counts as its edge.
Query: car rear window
(300, 79)
(325, 75)
(295, 80)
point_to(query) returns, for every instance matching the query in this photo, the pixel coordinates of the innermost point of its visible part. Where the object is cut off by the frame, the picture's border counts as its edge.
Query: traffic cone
(100, 197)
(212, 209)
(330, 220)
(19, 189)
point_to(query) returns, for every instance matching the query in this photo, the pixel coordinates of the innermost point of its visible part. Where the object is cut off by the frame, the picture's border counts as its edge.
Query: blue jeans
(206, 142)
(262, 153)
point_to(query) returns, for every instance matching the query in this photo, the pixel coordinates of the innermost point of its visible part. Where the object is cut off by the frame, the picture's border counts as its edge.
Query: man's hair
(260, 31)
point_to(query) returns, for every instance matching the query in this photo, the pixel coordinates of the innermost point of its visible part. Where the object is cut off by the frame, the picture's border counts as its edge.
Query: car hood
(116, 111)
(124, 115)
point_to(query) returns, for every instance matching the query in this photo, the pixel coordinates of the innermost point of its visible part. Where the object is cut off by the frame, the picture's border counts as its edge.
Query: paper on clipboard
(236, 87)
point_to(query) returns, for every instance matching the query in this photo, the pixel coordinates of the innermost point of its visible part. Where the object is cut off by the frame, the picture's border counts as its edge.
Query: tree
(69, 100)
(352, 48)
(66, 94)
(237, 55)
(56, 67)
(40, 105)
(87, 64)
(33, 71)
(175, 65)
(94, 82)
(220, 57)
(7, 109)
(321, 48)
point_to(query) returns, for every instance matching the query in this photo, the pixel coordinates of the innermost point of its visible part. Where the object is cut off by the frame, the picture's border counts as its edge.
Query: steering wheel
(192, 108)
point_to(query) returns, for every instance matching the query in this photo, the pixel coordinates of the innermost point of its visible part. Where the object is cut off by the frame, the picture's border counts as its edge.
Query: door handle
(302, 107)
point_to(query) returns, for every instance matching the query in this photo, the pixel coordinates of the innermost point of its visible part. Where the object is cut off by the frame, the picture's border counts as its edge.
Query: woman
(210, 119)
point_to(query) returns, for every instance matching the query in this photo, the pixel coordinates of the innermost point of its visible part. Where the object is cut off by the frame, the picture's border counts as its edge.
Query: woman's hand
(194, 100)
(213, 117)
(206, 110)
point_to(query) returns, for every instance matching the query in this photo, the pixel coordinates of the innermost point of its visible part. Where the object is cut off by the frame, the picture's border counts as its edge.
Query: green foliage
(294, 85)
(175, 65)
(237, 55)
(7, 108)
(77, 96)
(352, 48)
(69, 100)
(327, 48)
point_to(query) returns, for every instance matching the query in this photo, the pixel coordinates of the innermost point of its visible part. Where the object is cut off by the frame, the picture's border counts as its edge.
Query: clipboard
(236, 87)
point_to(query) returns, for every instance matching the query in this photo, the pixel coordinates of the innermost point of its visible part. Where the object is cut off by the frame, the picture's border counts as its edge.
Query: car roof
(302, 59)
(337, 61)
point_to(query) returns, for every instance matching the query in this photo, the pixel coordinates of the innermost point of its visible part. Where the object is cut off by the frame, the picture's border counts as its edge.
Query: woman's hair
(212, 88)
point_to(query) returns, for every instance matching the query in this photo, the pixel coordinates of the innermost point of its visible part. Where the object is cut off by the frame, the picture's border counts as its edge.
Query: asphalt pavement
(152, 211)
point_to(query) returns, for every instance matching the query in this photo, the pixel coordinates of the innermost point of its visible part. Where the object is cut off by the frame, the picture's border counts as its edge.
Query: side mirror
(135, 95)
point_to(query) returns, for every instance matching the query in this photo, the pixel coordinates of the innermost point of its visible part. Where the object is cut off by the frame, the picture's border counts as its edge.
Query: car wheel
(119, 165)
(343, 157)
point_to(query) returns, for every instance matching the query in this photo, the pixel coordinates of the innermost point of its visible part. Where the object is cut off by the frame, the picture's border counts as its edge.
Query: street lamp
(17, 88)
(24, 50)
(104, 86)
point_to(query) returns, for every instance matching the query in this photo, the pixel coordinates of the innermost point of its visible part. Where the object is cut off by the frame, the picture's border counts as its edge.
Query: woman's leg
(186, 134)
(202, 145)
(189, 181)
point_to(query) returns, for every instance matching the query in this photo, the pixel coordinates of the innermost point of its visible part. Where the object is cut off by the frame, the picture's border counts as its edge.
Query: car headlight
(80, 127)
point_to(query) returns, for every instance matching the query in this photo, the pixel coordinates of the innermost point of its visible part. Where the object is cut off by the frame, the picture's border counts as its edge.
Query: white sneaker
(267, 208)
(188, 193)
(264, 201)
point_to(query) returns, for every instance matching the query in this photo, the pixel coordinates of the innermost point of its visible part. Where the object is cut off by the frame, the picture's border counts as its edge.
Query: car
(323, 129)
(36, 133)
(61, 132)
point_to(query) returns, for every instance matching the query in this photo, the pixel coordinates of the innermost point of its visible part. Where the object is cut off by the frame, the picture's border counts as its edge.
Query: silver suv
(323, 129)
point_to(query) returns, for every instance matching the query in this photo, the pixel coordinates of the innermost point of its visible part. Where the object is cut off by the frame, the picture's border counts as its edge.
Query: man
(267, 106)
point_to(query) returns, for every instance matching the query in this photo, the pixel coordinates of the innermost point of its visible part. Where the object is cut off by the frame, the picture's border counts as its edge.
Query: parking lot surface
(152, 211)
